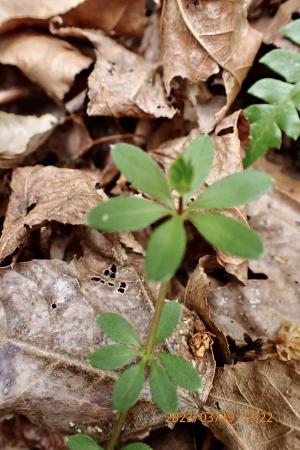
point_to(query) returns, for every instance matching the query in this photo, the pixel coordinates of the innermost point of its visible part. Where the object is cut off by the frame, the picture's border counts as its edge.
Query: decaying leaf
(272, 297)
(48, 328)
(271, 29)
(210, 37)
(200, 342)
(42, 194)
(46, 60)
(122, 82)
(256, 406)
(182, 55)
(125, 84)
(21, 135)
(288, 342)
(69, 140)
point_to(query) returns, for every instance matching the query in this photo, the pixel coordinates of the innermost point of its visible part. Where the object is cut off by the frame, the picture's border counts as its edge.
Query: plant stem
(117, 431)
(150, 343)
(156, 318)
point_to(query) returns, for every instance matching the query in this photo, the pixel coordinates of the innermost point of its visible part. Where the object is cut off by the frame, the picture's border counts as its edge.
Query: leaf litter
(76, 76)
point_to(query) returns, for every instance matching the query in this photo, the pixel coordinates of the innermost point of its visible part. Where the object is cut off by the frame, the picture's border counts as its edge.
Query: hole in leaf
(106, 272)
(96, 279)
(121, 290)
(53, 306)
(256, 276)
(113, 268)
(30, 207)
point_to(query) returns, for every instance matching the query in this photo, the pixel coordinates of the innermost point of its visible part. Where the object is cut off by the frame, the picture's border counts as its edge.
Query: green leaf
(201, 154)
(181, 175)
(228, 235)
(118, 329)
(112, 357)
(168, 322)
(142, 171)
(288, 120)
(82, 442)
(129, 387)
(292, 31)
(136, 446)
(265, 133)
(125, 214)
(234, 190)
(180, 371)
(270, 90)
(163, 390)
(165, 250)
(284, 62)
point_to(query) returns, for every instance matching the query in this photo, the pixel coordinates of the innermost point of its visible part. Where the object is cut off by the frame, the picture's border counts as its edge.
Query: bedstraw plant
(166, 202)
(280, 113)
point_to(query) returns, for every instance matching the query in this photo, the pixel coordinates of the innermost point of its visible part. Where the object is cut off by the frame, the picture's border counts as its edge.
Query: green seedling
(280, 112)
(170, 200)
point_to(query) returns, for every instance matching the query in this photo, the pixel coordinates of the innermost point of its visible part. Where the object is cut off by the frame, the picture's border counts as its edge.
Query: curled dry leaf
(120, 16)
(42, 194)
(123, 17)
(273, 295)
(69, 140)
(255, 406)
(22, 135)
(46, 60)
(182, 55)
(48, 328)
(271, 28)
(122, 82)
(200, 39)
(288, 342)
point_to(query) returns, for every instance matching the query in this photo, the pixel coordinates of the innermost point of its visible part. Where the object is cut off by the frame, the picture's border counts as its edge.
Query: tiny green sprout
(280, 113)
(167, 244)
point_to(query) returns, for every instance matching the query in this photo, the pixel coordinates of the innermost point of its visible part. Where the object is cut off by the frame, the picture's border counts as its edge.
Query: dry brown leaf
(46, 60)
(226, 45)
(284, 172)
(120, 16)
(196, 298)
(271, 27)
(14, 12)
(125, 84)
(122, 82)
(288, 342)
(48, 328)
(69, 140)
(182, 55)
(260, 307)
(42, 194)
(22, 135)
(124, 17)
(256, 406)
